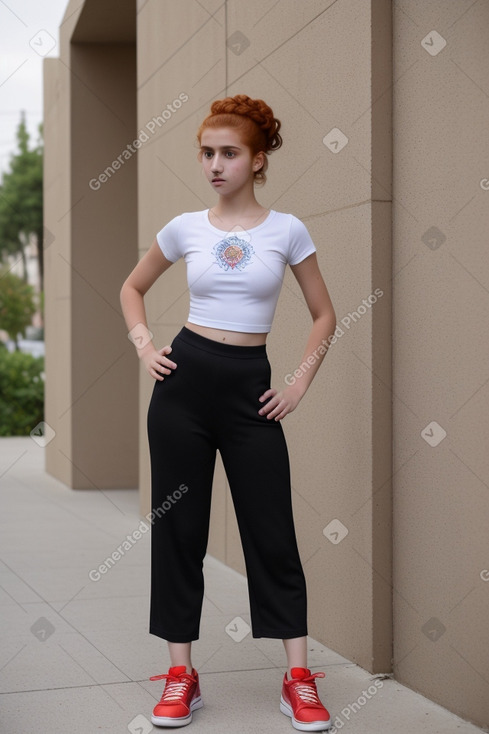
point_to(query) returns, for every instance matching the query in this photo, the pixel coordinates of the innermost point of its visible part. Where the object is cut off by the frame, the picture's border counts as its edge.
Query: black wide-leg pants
(209, 403)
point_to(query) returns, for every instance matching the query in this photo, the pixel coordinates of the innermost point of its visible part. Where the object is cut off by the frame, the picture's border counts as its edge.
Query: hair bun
(255, 109)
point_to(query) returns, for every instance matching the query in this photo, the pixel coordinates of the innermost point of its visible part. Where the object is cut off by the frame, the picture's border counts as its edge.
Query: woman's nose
(217, 164)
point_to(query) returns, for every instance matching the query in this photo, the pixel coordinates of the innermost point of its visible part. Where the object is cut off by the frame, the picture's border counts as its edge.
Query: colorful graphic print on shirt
(233, 253)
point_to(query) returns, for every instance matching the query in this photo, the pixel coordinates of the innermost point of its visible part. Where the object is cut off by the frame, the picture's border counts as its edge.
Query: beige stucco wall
(90, 118)
(440, 354)
(414, 513)
(57, 285)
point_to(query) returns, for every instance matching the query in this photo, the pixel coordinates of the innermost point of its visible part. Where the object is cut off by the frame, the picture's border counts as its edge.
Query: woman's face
(226, 161)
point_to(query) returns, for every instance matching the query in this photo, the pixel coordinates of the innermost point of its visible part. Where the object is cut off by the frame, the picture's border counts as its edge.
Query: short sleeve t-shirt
(235, 277)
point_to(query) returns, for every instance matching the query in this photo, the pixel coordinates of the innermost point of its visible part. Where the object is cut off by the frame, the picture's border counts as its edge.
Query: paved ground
(75, 653)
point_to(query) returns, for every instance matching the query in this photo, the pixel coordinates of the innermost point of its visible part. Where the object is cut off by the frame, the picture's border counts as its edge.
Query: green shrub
(16, 304)
(21, 392)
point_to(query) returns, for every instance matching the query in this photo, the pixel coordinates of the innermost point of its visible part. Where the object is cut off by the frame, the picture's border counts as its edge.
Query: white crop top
(235, 277)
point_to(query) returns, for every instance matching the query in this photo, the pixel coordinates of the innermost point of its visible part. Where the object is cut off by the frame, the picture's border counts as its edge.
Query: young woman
(212, 392)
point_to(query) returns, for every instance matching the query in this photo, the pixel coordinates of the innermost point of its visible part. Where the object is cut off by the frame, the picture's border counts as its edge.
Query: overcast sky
(28, 33)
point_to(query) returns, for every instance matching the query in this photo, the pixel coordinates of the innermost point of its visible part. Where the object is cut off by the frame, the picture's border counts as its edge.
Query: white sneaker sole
(182, 721)
(286, 709)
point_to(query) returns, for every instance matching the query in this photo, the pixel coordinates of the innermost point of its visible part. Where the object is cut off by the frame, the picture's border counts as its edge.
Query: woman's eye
(207, 154)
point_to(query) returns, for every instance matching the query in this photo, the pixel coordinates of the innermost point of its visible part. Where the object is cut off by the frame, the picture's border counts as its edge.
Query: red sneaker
(300, 701)
(181, 696)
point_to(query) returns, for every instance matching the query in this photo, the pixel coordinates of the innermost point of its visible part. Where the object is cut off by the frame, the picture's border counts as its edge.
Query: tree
(21, 200)
(16, 305)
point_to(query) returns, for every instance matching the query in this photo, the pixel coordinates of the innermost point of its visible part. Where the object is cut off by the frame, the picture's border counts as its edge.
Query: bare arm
(316, 294)
(145, 274)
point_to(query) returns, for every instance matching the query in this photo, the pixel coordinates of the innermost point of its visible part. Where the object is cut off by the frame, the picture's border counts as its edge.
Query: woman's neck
(242, 204)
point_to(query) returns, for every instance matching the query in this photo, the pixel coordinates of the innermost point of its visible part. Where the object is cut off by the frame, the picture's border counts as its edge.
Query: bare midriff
(238, 338)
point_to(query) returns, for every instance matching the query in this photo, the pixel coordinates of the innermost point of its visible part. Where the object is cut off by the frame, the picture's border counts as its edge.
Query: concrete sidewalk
(76, 654)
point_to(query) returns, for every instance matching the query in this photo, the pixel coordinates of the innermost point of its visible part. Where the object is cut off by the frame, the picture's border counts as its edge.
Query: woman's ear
(259, 161)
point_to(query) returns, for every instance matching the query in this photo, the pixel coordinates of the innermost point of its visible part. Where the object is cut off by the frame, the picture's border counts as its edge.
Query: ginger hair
(254, 120)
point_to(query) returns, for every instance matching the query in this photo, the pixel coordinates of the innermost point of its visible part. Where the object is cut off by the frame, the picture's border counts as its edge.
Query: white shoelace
(174, 690)
(307, 692)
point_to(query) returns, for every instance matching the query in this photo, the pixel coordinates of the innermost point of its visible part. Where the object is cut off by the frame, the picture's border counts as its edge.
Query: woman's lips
(217, 180)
